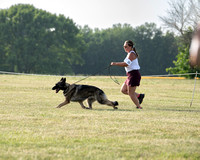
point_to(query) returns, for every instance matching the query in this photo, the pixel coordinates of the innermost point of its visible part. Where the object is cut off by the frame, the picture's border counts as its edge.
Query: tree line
(36, 41)
(156, 49)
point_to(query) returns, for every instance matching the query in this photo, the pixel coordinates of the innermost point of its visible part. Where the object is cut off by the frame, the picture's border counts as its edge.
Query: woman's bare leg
(133, 96)
(124, 90)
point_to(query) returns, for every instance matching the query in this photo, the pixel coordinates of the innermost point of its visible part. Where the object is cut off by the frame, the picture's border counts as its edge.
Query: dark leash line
(114, 79)
(109, 71)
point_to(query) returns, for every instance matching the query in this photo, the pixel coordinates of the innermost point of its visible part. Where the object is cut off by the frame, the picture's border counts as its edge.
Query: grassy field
(32, 128)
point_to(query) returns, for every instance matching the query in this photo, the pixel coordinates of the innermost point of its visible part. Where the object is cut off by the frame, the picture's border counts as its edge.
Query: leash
(114, 79)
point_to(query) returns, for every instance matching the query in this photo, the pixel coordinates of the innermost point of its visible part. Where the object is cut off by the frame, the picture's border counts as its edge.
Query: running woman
(132, 70)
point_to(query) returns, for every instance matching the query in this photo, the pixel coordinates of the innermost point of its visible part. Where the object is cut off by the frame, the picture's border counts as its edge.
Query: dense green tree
(156, 50)
(36, 41)
(104, 46)
(182, 63)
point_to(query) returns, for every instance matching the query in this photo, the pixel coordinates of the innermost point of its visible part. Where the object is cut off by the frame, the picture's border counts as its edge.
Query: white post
(194, 89)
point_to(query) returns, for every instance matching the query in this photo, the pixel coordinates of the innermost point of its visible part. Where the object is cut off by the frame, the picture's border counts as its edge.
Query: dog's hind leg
(110, 103)
(62, 104)
(90, 100)
(102, 99)
(82, 105)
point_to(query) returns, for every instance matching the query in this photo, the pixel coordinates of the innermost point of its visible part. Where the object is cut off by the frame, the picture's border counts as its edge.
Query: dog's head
(61, 85)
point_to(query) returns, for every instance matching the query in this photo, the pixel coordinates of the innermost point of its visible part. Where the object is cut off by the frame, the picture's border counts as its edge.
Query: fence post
(194, 89)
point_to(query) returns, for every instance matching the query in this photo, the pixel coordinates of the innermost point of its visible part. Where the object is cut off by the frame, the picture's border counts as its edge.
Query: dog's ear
(64, 80)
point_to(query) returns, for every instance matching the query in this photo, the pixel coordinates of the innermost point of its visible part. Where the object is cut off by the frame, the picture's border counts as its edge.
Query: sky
(101, 14)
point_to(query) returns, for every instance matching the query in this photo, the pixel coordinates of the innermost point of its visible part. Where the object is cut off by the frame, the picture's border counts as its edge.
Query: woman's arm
(121, 64)
(131, 57)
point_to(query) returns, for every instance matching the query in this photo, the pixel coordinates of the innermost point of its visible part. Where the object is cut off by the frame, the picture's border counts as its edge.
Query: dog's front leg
(62, 104)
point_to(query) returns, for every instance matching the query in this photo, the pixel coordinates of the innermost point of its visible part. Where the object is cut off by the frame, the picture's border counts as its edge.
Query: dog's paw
(115, 107)
(116, 103)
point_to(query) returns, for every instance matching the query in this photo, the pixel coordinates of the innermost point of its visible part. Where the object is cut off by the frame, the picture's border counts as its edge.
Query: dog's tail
(102, 99)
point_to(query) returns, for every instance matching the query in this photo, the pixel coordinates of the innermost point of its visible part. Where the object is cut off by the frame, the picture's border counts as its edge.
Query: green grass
(32, 128)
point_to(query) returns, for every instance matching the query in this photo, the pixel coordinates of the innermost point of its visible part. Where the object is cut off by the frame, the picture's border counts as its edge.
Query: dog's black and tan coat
(79, 93)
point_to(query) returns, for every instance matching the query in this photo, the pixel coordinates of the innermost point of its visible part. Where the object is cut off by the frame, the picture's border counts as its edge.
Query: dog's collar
(67, 88)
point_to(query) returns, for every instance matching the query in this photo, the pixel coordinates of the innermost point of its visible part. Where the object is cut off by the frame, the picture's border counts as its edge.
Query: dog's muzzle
(57, 89)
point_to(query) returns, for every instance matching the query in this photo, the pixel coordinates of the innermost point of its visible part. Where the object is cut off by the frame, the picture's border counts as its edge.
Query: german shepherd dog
(79, 93)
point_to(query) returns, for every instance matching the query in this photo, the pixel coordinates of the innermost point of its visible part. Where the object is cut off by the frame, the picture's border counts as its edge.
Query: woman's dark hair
(131, 44)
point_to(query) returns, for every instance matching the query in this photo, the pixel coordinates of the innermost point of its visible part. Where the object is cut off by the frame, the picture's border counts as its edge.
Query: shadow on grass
(116, 110)
(176, 110)
(158, 109)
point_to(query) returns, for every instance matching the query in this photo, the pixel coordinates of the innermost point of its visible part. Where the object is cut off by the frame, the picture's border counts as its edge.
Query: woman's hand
(112, 63)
